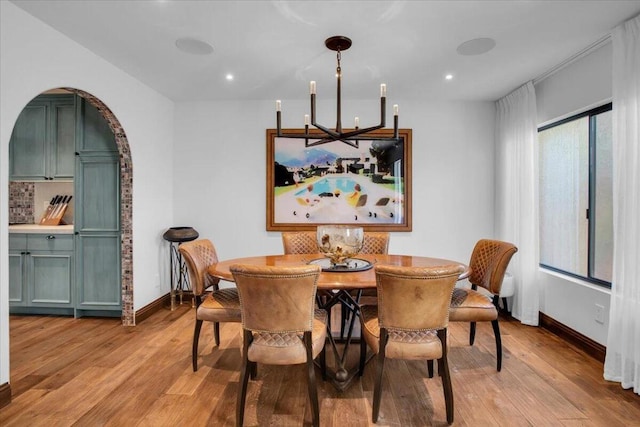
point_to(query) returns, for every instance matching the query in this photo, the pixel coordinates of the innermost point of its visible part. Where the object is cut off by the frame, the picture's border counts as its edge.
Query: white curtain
(622, 363)
(517, 195)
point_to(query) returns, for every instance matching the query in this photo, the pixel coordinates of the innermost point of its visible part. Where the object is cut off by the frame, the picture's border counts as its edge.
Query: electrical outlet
(599, 313)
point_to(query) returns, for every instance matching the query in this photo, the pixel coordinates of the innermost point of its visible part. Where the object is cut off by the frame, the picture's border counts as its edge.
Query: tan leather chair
(280, 323)
(375, 243)
(212, 304)
(305, 242)
(489, 262)
(410, 321)
(299, 242)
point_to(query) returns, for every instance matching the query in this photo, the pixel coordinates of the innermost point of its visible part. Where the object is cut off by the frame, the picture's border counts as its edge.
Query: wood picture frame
(335, 183)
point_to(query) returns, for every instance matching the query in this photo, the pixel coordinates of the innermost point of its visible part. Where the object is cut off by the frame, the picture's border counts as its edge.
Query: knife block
(55, 220)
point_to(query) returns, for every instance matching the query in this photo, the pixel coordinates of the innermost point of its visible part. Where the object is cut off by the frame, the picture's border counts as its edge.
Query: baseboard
(153, 307)
(5, 394)
(589, 346)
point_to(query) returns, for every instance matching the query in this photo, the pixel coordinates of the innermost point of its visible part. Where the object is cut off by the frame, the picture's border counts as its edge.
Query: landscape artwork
(336, 183)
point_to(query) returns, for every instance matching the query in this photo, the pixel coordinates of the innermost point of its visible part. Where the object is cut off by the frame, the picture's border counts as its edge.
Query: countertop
(41, 229)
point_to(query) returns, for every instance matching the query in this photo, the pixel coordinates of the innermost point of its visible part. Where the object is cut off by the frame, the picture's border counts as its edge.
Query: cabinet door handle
(51, 237)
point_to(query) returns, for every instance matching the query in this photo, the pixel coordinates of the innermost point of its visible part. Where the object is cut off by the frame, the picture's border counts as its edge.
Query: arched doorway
(125, 208)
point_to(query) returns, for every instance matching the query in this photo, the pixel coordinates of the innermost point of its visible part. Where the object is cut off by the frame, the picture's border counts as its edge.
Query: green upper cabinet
(42, 145)
(94, 133)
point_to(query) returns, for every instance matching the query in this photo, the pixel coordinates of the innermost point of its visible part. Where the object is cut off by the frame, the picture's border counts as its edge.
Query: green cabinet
(97, 216)
(65, 137)
(41, 271)
(43, 141)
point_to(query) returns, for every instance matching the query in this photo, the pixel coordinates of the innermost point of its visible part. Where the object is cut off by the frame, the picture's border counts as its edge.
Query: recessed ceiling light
(194, 46)
(448, 76)
(476, 46)
(229, 77)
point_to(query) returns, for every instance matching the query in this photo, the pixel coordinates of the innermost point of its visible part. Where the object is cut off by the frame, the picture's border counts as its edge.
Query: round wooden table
(338, 287)
(332, 280)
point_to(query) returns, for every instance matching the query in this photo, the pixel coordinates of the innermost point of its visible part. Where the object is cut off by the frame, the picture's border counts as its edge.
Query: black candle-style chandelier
(351, 137)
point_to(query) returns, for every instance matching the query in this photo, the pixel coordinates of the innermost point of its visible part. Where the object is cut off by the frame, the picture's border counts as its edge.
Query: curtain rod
(573, 58)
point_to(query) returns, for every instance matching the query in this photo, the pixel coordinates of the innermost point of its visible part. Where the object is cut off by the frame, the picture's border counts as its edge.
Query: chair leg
(323, 362)
(472, 333)
(311, 381)
(496, 332)
(194, 349)
(244, 379)
(377, 391)
(506, 306)
(216, 333)
(363, 355)
(446, 377)
(253, 369)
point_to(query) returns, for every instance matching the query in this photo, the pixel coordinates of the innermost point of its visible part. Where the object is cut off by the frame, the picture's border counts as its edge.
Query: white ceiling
(274, 48)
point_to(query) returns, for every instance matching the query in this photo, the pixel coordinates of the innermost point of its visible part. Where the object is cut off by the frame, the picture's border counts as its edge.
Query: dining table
(338, 285)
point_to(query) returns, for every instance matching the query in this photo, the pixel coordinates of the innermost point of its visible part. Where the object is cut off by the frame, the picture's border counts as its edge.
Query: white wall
(220, 168)
(581, 85)
(36, 58)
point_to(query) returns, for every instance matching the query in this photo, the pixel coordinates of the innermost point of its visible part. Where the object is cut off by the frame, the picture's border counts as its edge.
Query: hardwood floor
(95, 372)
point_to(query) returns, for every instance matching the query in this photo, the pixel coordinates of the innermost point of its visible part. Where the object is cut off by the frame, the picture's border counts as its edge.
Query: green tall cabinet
(97, 216)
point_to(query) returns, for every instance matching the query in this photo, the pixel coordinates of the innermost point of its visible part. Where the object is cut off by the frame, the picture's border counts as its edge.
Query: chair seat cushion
(468, 305)
(288, 348)
(411, 345)
(222, 305)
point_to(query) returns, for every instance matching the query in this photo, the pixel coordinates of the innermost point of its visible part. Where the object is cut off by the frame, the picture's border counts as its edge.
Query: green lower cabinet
(98, 272)
(41, 273)
(17, 285)
(51, 279)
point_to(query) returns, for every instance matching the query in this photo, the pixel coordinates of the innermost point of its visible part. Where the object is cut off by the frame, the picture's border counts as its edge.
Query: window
(576, 200)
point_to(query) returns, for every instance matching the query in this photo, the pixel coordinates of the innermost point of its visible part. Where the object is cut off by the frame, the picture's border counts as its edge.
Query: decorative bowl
(339, 242)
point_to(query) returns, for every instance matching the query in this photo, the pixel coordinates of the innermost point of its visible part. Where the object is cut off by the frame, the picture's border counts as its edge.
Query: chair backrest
(276, 299)
(198, 255)
(415, 298)
(375, 243)
(489, 262)
(299, 242)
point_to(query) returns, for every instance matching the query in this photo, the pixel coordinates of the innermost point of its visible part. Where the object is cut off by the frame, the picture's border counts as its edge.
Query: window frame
(591, 114)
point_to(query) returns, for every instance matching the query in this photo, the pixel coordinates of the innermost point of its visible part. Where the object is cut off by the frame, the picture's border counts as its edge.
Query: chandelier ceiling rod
(338, 44)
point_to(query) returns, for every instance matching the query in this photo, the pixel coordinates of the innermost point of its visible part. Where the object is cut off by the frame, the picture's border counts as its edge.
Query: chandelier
(350, 137)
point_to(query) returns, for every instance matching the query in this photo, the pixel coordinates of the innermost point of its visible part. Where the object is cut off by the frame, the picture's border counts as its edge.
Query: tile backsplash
(28, 200)
(21, 202)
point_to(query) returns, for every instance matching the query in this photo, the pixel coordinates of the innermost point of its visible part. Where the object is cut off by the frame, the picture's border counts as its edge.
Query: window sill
(575, 280)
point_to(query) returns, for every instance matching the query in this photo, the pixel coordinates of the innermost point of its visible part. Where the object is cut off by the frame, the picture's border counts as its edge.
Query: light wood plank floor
(95, 372)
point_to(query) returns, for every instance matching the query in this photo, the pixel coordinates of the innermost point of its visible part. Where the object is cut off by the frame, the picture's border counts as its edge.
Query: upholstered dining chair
(305, 242)
(212, 303)
(489, 261)
(280, 323)
(410, 322)
(299, 242)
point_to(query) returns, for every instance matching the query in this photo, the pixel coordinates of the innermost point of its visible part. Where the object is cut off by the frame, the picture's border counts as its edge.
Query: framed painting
(336, 183)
